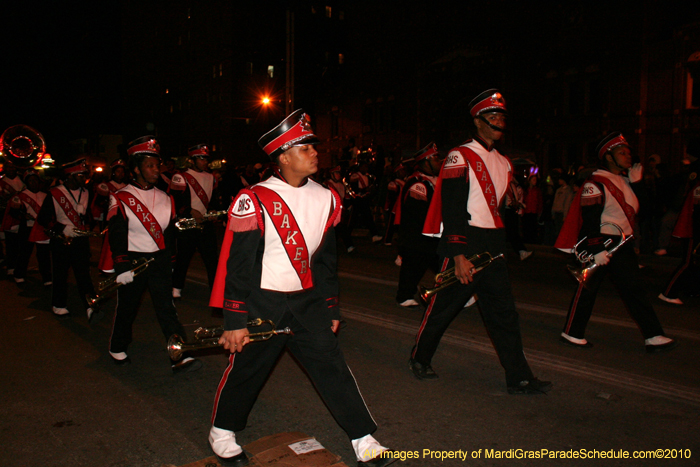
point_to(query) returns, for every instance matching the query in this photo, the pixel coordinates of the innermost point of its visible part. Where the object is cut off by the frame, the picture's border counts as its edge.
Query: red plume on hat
(295, 130)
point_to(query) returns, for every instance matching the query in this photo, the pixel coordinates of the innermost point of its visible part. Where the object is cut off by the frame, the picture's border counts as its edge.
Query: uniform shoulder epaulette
(244, 214)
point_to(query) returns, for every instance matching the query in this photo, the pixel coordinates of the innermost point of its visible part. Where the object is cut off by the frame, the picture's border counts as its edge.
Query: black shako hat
(610, 142)
(138, 149)
(198, 150)
(490, 100)
(117, 163)
(76, 167)
(295, 130)
(430, 150)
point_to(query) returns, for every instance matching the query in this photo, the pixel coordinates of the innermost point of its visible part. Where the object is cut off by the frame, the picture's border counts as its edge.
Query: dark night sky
(61, 68)
(62, 64)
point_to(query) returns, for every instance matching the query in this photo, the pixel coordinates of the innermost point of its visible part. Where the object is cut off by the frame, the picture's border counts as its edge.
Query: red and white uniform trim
(612, 211)
(296, 216)
(76, 199)
(206, 181)
(500, 170)
(161, 209)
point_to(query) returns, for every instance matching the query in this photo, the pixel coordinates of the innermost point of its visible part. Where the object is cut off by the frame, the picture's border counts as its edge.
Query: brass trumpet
(207, 338)
(78, 233)
(191, 223)
(588, 265)
(110, 284)
(448, 278)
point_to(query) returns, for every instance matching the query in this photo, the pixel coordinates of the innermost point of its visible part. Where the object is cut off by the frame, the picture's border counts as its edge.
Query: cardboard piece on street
(290, 449)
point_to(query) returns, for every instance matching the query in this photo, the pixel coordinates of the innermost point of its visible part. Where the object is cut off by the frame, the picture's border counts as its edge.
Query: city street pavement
(64, 403)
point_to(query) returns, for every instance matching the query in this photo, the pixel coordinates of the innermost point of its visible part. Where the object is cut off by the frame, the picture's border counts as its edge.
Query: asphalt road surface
(64, 403)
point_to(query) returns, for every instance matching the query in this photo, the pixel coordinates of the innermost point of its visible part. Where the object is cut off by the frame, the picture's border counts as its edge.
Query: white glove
(635, 173)
(125, 278)
(602, 258)
(69, 231)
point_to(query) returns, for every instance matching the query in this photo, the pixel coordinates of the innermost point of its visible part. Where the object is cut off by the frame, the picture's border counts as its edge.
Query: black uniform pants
(362, 216)
(414, 264)
(75, 256)
(623, 270)
(12, 247)
(189, 241)
(43, 256)
(686, 277)
(157, 279)
(496, 303)
(320, 356)
(511, 220)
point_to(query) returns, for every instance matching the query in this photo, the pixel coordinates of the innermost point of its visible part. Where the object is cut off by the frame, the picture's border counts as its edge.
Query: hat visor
(310, 139)
(489, 110)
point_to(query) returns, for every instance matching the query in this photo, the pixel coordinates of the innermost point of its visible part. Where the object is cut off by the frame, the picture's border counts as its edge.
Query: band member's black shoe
(122, 362)
(531, 386)
(383, 459)
(95, 315)
(240, 460)
(187, 365)
(421, 371)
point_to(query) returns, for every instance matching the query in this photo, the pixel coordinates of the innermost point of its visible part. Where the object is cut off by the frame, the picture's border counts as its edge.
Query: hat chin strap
(491, 125)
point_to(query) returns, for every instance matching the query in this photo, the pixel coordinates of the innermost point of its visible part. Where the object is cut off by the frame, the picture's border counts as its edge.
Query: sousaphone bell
(22, 146)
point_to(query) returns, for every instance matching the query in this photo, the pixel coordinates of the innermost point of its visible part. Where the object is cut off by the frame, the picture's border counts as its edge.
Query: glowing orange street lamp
(266, 100)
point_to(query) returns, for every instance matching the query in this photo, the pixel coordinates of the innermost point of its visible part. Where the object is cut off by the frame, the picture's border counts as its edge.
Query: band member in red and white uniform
(193, 190)
(64, 210)
(142, 226)
(100, 205)
(167, 171)
(607, 198)
(32, 198)
(686, 278)
(118, 180)
(393, 192)
(278, 262)
(10, 185)
(418, 252)
(473, 182)
(363, 185)
(335, 181)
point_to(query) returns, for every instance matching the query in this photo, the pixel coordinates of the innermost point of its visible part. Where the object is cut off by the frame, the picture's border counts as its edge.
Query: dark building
(396, 77)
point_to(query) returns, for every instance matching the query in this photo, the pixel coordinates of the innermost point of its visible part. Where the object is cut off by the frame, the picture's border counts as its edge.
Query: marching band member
(686, 277)
(10, 185)
(141, 225)
(64, 210)
(607, 197)
(100, 204)
(363, 185)
(473, 182)
(192, 190)
(418, 252)
(393, 193)
(335, 181)
(32, 198)
(278, 262)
